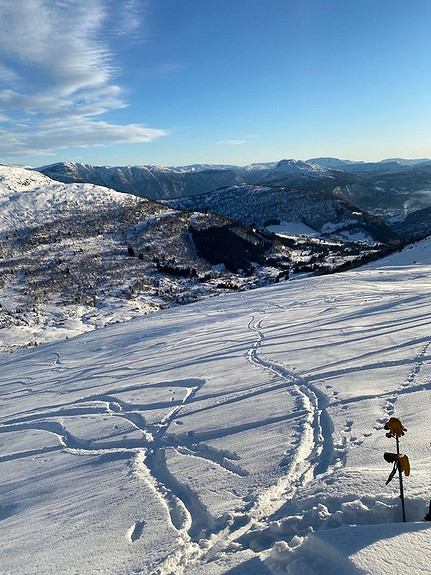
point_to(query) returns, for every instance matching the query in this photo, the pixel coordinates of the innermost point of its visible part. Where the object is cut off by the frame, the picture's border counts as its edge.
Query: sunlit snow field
(241, 434)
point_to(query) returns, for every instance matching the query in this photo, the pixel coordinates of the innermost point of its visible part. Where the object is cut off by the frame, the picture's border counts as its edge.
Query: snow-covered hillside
(29, 199)
(74, 257)
(263, 205)
(241, 434)
(64, 261)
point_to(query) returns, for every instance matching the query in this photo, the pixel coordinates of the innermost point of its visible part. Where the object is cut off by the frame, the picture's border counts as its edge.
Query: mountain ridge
(390, 188)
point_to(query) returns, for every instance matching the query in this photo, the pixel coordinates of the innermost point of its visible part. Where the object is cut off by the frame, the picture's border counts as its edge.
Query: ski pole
(401, 462)
(400, 474)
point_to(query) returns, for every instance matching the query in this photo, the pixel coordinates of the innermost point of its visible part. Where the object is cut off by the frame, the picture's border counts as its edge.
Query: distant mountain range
(391, 189)
(153, 182)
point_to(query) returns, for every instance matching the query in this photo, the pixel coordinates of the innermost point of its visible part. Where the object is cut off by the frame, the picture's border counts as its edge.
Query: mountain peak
(294, 169)
(297, 167)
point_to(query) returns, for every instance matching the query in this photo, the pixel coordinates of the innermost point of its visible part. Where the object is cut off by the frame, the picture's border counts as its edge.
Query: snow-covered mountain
(262, 206)
(79, 256)
(255, 170)
(293, 169)
(152, 182)
(240, 434)
(333, 163)
(307, 176)
(386, 167)
(357, 167)
(407, 162)
(390, 188)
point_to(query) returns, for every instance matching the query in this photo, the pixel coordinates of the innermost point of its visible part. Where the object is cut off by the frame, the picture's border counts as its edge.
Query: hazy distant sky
(176, 82)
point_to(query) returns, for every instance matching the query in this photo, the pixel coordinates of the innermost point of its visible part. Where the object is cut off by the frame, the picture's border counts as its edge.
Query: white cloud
(58, 70)
(82, 134)
(129, 17)
(6, 74)
(232, 142)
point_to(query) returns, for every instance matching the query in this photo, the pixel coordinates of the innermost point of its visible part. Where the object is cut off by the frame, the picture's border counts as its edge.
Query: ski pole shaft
(403, 506)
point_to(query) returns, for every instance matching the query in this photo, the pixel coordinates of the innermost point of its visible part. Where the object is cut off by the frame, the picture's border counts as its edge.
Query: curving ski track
(185, 512)
(313, 455)
(315, 445)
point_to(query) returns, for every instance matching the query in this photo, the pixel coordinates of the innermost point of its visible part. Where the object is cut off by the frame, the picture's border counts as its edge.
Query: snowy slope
(28, 198)
(78, 256)
(239, 434)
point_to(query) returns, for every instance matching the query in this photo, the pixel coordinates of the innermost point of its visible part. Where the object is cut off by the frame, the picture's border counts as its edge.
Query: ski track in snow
(201, 537)
(315, 448)
(313, 456)
(185, 512)
(314, 451)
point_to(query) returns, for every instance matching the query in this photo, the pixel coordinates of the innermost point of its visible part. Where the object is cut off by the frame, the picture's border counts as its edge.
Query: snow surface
(241, 434)
(289, 229)
(44, 198)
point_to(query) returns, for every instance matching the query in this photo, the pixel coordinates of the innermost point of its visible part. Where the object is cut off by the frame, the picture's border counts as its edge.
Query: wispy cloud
(231, 142)
(129, 19)
(6, 74)
(58, 72)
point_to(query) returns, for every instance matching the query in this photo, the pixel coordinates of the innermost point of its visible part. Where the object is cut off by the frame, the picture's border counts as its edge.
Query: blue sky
(177, 82)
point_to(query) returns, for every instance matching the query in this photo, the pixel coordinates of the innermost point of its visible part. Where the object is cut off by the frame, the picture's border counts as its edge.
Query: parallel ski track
(315, 444)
